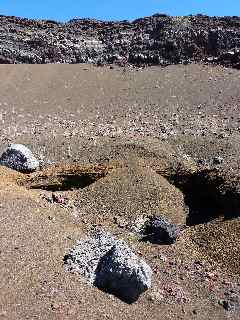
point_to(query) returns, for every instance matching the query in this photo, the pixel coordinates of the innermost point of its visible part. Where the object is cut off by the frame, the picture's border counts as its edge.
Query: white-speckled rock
(110, 265)
(122, 273)
(19, 157)
(84, 257)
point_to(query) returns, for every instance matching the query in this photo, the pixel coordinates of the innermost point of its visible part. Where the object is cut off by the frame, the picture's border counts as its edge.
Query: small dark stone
(201, 162)
(159, 230)
(226, 305)
(217, 160)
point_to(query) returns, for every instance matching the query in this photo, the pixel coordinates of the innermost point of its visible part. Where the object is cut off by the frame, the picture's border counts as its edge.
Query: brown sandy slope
(132, 142)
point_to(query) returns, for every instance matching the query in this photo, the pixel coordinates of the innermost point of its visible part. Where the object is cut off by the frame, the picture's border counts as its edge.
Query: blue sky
(63, 10)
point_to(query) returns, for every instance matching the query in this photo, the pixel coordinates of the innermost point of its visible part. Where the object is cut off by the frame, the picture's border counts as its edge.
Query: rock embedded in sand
(160, 230)
(86, 254)
(110, 265)
(122, 273)
(157, 229)
(19, 157)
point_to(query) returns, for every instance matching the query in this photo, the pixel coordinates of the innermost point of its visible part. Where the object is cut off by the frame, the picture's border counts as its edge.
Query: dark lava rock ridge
(155, 40)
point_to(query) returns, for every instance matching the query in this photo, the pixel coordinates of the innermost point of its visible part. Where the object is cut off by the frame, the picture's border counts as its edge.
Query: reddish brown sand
(141, 126)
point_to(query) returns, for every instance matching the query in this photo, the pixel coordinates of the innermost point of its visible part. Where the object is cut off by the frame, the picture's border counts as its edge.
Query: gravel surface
(139, 142)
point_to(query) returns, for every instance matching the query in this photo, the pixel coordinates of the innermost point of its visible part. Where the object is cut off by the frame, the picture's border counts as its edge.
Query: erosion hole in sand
(68, 182)
(203, 198)
(67, 179)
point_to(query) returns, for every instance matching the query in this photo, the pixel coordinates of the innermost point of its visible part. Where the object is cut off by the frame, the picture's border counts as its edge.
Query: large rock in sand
(20, 158)
(110, 265)
(123, 274)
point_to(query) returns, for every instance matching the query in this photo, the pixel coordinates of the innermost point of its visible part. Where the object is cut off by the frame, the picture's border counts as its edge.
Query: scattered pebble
(218, 160)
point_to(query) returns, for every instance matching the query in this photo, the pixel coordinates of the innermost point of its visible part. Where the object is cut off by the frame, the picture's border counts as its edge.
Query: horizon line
(115, 20)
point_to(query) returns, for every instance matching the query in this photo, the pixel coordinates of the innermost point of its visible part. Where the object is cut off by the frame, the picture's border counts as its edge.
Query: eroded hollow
(67, 177)
(208, 194)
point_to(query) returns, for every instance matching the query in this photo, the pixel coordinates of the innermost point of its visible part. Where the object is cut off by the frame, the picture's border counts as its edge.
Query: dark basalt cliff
(155, 40)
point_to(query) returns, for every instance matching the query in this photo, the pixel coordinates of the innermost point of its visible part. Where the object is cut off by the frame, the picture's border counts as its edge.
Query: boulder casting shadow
(122, 274)
(110, 265)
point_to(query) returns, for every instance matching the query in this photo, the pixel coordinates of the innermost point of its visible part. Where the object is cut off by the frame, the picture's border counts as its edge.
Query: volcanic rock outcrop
(155, 40)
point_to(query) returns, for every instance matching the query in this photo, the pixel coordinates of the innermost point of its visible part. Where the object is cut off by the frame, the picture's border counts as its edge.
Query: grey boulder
(123, 274)
(19, 157)
(84, 257)
(110, 265)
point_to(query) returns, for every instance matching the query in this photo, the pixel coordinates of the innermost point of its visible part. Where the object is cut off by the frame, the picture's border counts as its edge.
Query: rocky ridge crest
(155, 40)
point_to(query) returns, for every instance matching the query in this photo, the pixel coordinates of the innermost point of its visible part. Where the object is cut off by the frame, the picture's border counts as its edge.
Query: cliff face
(155, 40)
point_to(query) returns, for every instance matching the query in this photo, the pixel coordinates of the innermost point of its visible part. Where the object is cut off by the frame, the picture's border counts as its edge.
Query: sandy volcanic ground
(164, 138)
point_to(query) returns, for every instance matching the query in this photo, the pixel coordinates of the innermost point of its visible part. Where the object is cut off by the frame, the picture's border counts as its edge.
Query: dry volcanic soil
(116, 147)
